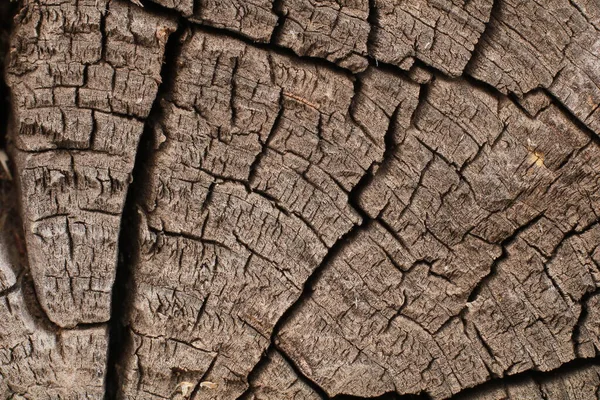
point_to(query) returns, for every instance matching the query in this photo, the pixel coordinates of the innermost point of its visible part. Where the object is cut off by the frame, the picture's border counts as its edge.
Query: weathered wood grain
(82, 78)
(548, 44)
(478, 265)
(247, 190)
(330, 198)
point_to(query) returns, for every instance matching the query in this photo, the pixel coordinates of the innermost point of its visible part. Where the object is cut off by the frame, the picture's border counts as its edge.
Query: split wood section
(307, 222)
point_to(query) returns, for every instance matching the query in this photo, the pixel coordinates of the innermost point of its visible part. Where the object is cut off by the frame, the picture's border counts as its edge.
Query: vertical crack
(129, 234)
(278, 9)
(486, 31)
(373, 20)
(13, 262)
(7, 11)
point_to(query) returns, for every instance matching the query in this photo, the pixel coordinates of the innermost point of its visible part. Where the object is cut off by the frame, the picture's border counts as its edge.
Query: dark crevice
(423, 95)
(517, 102)
(281, 15)
(274, 49)
(385, 396)
(503, 256)
(488, 349)
(129, 236)
(103, 42)
(372, 19)
(307, 289)
(271, 46)
(334, 251)
(312, 384)
(262, 364)
(487, 88)
(309, 284)
(486, 31)
(12, 244)
(595, 137)
(205, 374)
(8, 10)
(258, 367)
(389, 153)
(265, 147)
(576, 336)
(539, 377)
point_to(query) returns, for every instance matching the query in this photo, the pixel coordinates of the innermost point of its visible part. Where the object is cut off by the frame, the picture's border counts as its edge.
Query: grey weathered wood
(248, 189)
(578, 384)
(277, 380)
(333, 30)
(81, 78)
(470, 177)
(549, 44)
(343, 197)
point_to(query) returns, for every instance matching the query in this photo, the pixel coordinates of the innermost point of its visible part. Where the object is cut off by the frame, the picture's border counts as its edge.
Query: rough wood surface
(238, 214)
(277, 380)
(300, 199)
(81, 79)
(550, 44)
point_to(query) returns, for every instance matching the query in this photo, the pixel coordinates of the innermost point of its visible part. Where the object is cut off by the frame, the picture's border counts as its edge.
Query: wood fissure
(270, 199)
(130, 219)
(8, 10)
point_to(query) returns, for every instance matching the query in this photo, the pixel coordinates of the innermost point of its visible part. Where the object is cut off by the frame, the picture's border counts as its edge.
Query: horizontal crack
(538, 376)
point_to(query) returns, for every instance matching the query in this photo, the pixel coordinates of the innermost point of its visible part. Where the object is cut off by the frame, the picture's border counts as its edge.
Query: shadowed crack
(493, 12)
(261, 365)
(583, 316)
(128, 237)
(7, 11)
(503, 256)
(307, 290)
(538, 376)
(129, 233)
(278, 31)
(580, 124)
(338, 246)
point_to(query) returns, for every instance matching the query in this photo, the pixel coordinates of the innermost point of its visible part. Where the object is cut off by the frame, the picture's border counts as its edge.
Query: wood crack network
(300, 199)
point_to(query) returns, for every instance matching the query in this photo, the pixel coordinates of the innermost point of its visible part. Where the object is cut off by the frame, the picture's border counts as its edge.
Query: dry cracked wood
(579, 383)
(441, 33)
(247, 190)
(302, 221)
(549, 44)
(82, 80)
(404, 298)
(277, 380)
(37, 360)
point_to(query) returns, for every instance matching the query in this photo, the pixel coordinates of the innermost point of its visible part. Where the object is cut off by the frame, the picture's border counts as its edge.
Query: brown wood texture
(300, 199)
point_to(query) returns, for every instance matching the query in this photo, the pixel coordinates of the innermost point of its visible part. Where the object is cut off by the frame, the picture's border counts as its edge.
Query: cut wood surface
(300, 199)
